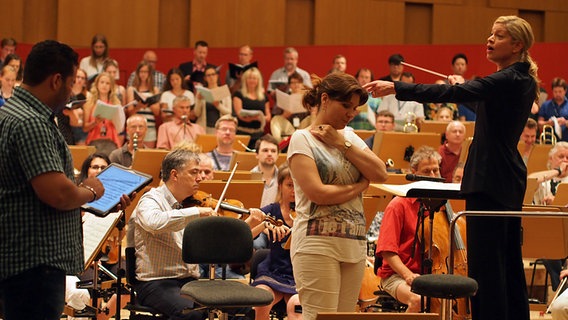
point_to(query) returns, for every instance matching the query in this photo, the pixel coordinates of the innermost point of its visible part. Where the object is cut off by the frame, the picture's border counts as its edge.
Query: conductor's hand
(96, 184)
(125, 202)
(205, 211)
(455, 79)
(379, 88)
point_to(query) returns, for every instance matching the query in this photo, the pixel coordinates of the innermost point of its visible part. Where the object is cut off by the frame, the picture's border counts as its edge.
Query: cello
(440, 255)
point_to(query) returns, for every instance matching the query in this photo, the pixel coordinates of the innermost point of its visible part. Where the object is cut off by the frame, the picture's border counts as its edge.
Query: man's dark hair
(396, 59)
(459, 56)
(49, 57)
(268, 138)
(8, 42)
(201, 43)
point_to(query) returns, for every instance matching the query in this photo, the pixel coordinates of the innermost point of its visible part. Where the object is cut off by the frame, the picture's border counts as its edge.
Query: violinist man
(136, 127)
(156, 231)
(397, 244)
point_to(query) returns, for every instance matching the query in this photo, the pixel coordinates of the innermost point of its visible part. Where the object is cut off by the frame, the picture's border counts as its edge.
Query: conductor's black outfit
(494, 180)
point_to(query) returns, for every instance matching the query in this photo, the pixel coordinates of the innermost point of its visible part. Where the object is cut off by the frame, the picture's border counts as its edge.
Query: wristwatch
(346, 146)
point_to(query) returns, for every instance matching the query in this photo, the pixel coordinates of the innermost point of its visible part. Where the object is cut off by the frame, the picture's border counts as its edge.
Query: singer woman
(495, 175)
(330, 167)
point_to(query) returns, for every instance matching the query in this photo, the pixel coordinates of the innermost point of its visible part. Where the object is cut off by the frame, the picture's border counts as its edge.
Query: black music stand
(432, 196)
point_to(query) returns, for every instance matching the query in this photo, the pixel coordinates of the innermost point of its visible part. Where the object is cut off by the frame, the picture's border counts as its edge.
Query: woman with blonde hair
(251, 107)
(103, 89)
(495, 175)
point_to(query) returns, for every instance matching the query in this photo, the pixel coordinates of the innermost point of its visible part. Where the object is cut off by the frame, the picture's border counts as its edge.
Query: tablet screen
(117, 180)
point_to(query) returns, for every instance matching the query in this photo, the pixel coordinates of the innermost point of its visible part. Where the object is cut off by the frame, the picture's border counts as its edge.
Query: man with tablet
(40, 230)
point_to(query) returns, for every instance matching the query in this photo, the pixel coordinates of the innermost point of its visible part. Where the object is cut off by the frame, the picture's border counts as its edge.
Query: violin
(228, 208)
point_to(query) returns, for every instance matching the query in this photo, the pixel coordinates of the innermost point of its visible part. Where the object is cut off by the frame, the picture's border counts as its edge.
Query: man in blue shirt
(554, 112)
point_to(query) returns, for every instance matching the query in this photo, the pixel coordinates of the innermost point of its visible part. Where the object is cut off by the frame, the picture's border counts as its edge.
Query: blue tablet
(117, 180)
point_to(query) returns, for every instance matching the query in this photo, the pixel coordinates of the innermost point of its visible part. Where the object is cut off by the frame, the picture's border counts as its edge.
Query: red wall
(318, 59)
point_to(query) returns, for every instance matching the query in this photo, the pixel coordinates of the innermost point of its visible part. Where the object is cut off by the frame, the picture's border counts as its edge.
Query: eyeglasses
(97, 167)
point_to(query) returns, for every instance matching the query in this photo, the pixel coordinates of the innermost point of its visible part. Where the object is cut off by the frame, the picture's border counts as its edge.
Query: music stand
(96, 231)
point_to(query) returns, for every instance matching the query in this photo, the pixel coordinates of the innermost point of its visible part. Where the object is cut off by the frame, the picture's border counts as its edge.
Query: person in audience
(136, 127)
(444, 114)
(206, 113)
(15, 62)
(93, 64)
(225, 132)
(458, 173)
(280, 75)
(103, 89)
(251, 106)
(145, 86)
(339, 64)
(110, 66)
(556, 174)
(528, 137)
(174, 86)
(245, 58)
(7, 46)
(405, 112)
(267, 153)
(7, 82)
(151, 58)
(459, 64)
(451, 149)
(365, 119)
(274, 273)
(401, 262)
(282, 124)
(554, 112)
(330, 168)
(431, 108)
(194, 71)
(395, 68)
(155, 230)
(206, 167)
(79, 91)
(384, 122)
(180, 128)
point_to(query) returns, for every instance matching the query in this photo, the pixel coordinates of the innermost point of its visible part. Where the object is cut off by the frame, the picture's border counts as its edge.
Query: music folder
(117, 180)
(423, 189)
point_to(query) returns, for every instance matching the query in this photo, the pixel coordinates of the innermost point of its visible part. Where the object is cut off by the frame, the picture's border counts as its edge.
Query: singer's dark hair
(422, 153)
(47, 58)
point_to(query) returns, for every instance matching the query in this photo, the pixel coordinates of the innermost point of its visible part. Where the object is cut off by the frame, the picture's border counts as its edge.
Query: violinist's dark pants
(495, 261)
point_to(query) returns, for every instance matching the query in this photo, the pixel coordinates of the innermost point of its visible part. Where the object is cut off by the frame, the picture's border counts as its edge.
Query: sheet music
(95, 232)
(410, 189)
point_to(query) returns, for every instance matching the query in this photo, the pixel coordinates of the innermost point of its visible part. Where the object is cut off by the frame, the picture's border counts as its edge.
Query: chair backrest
(130, 255)
(217, 240)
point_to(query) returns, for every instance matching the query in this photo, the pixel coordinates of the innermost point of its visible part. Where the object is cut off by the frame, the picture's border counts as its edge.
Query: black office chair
(220, 240)
(137, 311)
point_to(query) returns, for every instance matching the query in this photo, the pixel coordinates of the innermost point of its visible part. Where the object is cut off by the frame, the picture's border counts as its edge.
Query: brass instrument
(547, 136)
(389, 163)
(410, 123)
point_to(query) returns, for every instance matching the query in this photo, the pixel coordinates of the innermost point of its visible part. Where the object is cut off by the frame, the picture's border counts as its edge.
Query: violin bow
(226, 187)
(558, 290)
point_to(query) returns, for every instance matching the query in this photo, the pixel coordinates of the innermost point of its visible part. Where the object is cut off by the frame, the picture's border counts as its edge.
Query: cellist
(397, 243)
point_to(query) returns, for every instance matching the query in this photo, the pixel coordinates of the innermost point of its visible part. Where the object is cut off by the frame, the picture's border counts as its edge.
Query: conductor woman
(495, 175)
